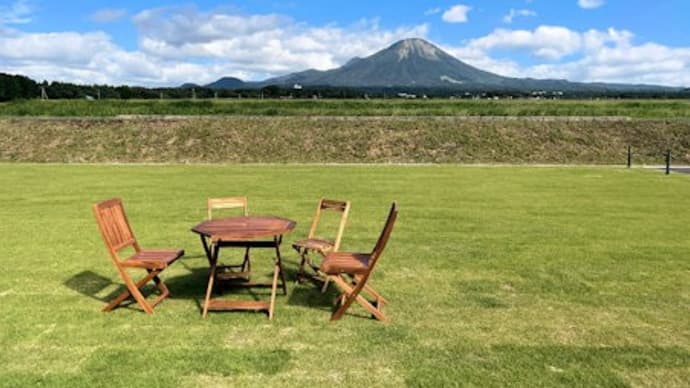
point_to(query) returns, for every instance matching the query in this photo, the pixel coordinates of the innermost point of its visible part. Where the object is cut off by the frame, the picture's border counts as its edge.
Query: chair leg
(346, 298)
(211, 277)
(133, 290)
(374, 310)
(165, 292)
(370, 290)
(324, 288)
(353, 293)
(159, 283)
(300, 272)
(342, 308)
(246, 264)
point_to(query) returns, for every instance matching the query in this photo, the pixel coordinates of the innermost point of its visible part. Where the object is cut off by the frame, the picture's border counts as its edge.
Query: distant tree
(17, 86)
(271, 91)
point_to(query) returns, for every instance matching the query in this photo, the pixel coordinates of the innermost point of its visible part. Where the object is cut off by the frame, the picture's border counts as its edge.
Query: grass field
(650, 109)
(496, 277)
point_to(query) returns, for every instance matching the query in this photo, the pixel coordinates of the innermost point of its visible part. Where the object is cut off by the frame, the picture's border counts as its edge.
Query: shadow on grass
(308, 294)
(93, 285)
(90, 284)
(192, 285)
(528, 366)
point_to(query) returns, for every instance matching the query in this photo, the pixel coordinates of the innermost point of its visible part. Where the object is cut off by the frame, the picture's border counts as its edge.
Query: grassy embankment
(496, 277)
(350, 131)
(288, 139)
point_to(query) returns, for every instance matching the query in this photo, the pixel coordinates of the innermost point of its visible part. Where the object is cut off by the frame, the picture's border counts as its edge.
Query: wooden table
(252, 231)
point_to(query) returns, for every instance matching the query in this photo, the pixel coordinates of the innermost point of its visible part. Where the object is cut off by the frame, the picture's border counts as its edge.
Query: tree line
(16, 87)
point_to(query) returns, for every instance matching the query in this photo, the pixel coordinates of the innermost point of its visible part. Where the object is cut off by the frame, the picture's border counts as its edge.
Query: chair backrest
(227, 203)
(114, 227)
(385, 235)
(342, 207)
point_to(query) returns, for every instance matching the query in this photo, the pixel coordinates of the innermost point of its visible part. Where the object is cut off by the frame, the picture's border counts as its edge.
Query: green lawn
(496, 277)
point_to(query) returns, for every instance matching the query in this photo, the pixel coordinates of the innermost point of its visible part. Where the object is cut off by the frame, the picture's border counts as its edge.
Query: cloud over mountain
(457, 14)
(180, 44)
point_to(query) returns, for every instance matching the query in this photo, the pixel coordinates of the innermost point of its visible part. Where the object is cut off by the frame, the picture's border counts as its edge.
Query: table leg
(279, 264)
(213, 259)
(274, 287)
(207, 248)
(277, 271)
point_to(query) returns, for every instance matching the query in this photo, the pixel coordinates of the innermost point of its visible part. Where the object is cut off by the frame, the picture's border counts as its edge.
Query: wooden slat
(240, 284)
(232, 275)
(257, 305)
(227, 203)
(333, 204)
(115, 228)
(244, 228)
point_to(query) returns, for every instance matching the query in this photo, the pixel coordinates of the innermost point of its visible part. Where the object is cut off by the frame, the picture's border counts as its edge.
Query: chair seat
(314, 244)
(345, 262)
(153, 258)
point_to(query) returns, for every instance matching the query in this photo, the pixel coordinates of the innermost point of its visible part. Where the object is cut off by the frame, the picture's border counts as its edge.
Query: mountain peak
(416, 47)
(227, 83)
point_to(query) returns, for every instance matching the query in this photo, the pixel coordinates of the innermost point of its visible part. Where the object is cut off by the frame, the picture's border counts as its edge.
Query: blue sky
(168, 43)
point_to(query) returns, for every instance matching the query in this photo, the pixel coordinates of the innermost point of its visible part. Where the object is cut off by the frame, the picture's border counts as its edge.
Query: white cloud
(457, 14)
(189, 46)
(108, 15)
(264, 44)
(432, 11)
(518, 12)
(549, 42)
(185, 45)
(61, 47)
(600, 56)
(17, 13)
(590, 4)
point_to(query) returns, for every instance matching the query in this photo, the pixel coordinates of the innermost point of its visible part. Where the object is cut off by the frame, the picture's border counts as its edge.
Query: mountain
(189, 85)
(410, 63)
(416, 63)
(227, 83)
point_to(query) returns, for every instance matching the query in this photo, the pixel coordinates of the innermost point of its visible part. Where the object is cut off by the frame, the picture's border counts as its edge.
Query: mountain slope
(410, 62)
(227, 83)
(416, 63)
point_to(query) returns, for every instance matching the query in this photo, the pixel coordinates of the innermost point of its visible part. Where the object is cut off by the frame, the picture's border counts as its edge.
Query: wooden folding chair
(118, 235)
(351, 271)
(232, 203)
(318, 244)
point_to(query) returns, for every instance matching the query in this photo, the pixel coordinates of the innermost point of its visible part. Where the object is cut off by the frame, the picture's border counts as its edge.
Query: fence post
(629, 156)
(668, 162)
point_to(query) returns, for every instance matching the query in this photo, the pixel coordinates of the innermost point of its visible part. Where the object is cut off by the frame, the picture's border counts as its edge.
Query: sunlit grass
(496, 277)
